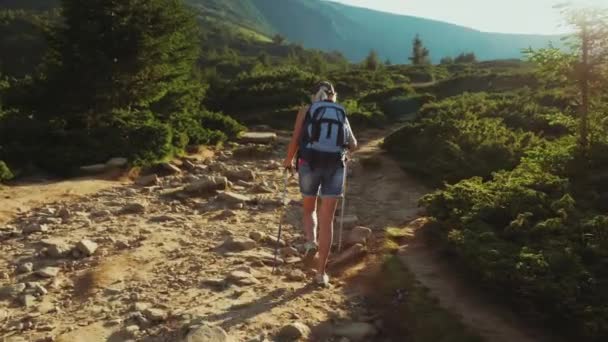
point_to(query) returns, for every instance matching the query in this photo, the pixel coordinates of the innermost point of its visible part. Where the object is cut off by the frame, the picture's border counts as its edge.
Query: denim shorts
(322, 182)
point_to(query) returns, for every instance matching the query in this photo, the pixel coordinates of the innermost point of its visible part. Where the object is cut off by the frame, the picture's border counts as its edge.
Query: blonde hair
(324, 93)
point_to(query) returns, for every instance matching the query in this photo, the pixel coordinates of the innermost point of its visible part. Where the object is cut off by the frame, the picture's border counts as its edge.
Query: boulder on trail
(134, 208)
(35, 228)
(27, 267)
(233, 198)
(207, 185)
(170, 168)
(356, 331)
(240, 175)
(239, 277)
(148, 180)
(294, 332)
(207, 333)
(87, 247)
(155, 315)
(48, 272)
(235, 244)
(57, 248)
(258, 138)
(258, 236)
(358, 235)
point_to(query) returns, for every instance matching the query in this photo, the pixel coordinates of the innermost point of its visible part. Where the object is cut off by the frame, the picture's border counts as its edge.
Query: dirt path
(384, 196)
(161, 252)
(23, 197)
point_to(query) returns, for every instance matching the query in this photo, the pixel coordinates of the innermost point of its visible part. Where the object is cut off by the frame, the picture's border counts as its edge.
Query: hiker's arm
(352, 141)
(295, 137)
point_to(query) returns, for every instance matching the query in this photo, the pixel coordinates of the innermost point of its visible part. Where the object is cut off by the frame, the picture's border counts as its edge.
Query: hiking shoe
(310, 250)
(322, 280)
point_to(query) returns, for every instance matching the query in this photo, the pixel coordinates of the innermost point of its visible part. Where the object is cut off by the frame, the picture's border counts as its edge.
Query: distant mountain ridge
(354, 31)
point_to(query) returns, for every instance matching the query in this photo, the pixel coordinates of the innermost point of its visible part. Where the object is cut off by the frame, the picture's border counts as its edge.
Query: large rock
(356, 331)
(239, 244)
(87, 247)
(207, 333)
(35, 228)
(134, 208)
(233, 198)
(242, 278)
(148, 180)
(48, 272)
(170, 168)
(294, 332)
(27, 267)
(57, 248)
(358, 235)
(155, 315)
(207, 185)
(258, 137)
(240, 175)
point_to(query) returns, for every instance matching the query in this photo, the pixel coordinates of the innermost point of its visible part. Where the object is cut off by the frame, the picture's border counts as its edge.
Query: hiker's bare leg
(310, 219)
(326, 228)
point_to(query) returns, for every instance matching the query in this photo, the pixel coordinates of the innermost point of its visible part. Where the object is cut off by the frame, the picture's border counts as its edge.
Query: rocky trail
(187, 255)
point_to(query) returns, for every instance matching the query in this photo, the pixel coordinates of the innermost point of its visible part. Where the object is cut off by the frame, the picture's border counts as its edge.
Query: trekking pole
(343, 207)
(281, 214)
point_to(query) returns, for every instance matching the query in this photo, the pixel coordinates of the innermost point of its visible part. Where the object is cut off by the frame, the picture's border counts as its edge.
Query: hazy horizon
(501, 16)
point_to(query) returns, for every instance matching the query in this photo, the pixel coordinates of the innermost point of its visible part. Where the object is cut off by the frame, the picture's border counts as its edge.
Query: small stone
(156, 315)
(134, 208)
(240, 175)
(356, 331)
(358, 235)
(41, 290)
(233, 198)
(132, 330)
(239, 244)
(258, 236)
(48, 272)
(170, 168)
(207, 185)
(287, 252)
(294, 332)
(58, 249)
(148, 180)
(242, 278)
(207, 333)
(258, 137)
(28, 301)
(215, 283)
(139, 306)
(64, 213)
(87, 247)
(296, 275)
(35, 228)
(27, 267)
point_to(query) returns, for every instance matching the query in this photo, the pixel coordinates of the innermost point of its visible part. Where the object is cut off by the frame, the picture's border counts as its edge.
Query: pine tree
(126, 54)
(372, 61)
(420, 54)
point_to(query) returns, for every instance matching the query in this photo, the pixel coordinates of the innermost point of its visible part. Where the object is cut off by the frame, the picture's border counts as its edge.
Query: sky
(506, 16)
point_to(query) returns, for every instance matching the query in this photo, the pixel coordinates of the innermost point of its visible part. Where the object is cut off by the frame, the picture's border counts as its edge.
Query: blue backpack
(325, 135)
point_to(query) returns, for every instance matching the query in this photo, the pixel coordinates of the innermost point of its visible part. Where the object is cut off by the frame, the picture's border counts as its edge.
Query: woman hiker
(321, 137)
